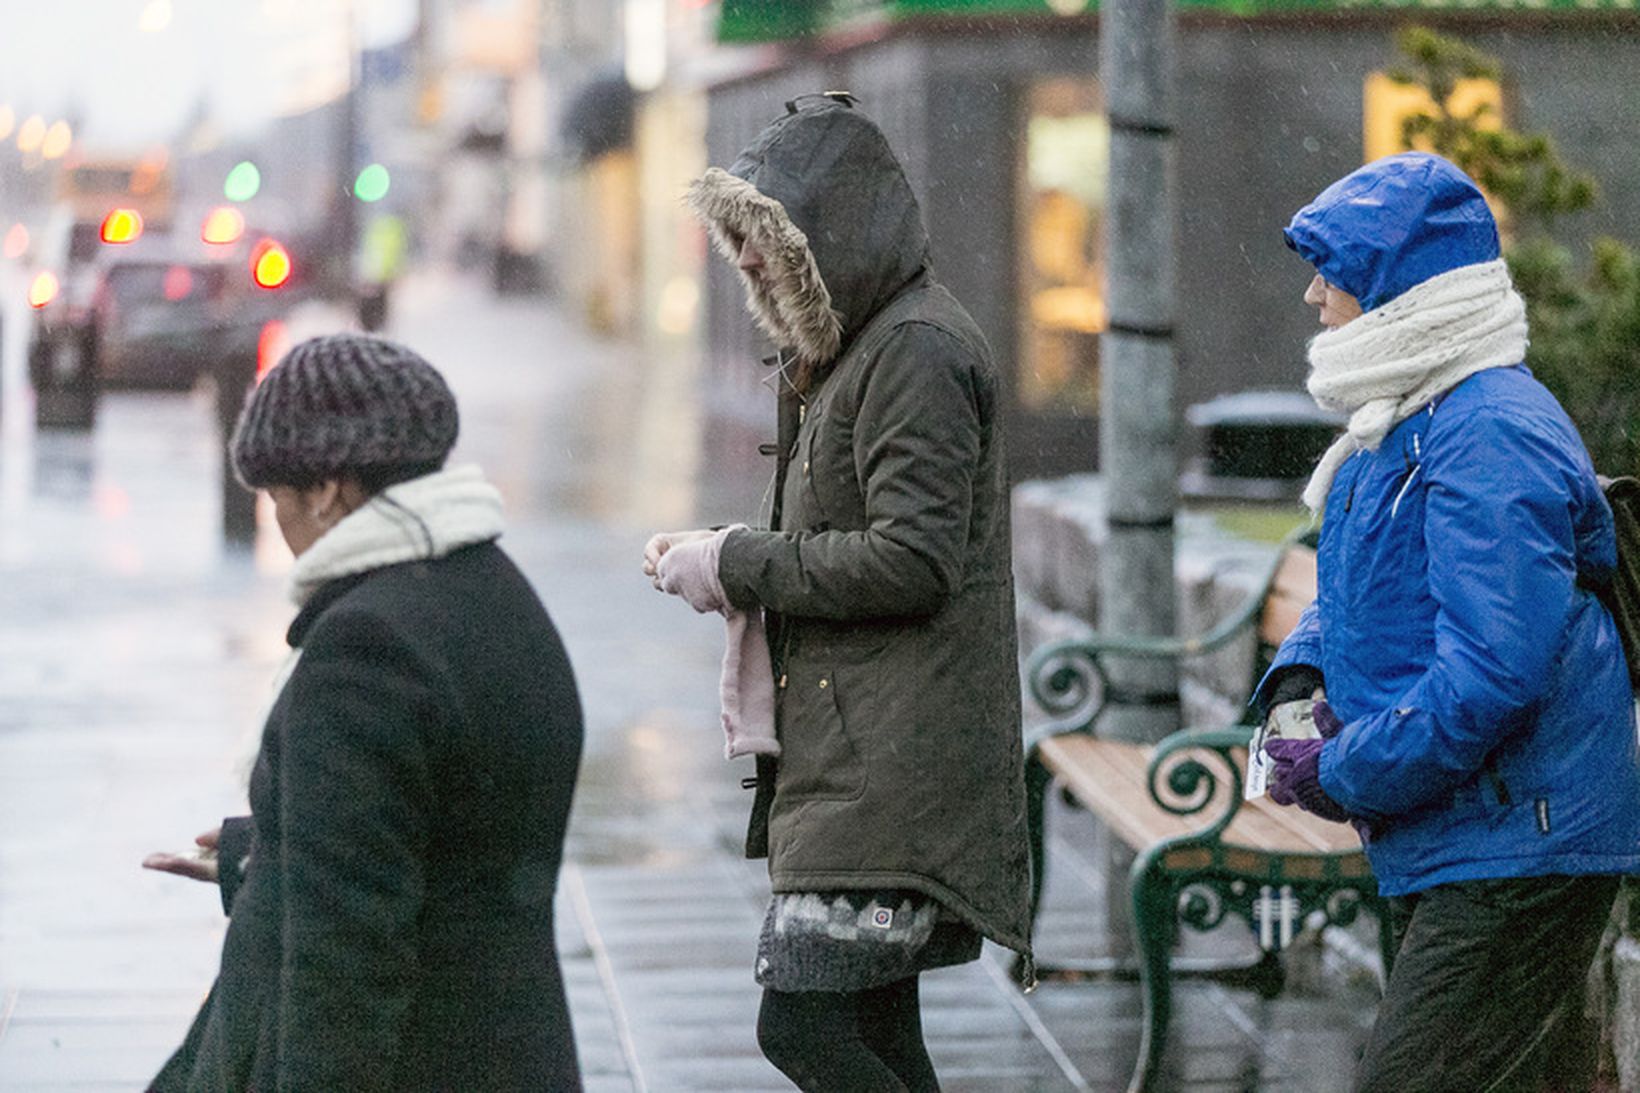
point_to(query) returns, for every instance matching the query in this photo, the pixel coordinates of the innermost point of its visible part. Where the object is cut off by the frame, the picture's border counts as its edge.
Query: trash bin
(1258, 445)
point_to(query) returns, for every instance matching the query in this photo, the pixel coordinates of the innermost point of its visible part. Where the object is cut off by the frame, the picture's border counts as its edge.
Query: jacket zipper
(784, 472)
(1416, 465)
(1396, 507)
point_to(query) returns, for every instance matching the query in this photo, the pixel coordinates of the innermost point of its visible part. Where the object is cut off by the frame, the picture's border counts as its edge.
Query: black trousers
(848, 1041)
(1488, 981)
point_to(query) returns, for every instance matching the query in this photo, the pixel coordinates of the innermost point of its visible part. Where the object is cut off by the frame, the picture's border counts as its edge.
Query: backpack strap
(1622, 596)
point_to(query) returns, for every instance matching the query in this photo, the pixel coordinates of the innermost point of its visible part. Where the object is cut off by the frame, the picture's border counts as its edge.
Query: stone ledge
(1059, 527)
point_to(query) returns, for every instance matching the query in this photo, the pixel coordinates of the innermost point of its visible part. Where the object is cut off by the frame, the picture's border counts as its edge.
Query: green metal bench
(1202, 853)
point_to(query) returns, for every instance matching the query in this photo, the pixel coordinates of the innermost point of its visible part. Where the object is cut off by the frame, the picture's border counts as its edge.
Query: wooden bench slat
(1109, 778)
(1101, 774)
(1290, 593)
(1326, 837)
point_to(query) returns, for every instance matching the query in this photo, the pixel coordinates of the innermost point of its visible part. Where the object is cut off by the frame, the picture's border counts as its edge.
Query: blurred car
(160, 309)
(158, 318)
(62, 343)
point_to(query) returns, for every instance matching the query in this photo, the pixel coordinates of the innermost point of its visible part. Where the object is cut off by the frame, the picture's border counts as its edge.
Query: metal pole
(346, 216)
(1137, 445)
(235, 372)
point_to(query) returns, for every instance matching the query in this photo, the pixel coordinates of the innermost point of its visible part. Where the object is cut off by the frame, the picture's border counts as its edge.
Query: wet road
(135, 657)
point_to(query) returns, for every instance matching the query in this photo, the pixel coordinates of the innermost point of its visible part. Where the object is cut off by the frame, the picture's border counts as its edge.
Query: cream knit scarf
(422, 519)
(1386, 365)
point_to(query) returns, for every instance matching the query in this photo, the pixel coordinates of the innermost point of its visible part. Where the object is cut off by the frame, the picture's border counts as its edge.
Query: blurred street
(511, 188)
(136, 653)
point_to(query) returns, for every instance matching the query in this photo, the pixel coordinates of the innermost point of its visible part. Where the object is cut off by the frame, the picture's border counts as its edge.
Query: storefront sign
(773, 20)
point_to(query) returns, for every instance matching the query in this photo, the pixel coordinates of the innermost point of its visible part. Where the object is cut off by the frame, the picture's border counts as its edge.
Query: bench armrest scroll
(1067, 680)
(1194, 773)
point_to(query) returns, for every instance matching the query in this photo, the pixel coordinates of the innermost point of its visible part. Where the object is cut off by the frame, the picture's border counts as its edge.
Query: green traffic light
(243, 182)
(372, 183)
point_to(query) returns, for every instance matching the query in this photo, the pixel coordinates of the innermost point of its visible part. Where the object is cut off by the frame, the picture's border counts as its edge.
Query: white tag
(1288, 721)
(1258, 767)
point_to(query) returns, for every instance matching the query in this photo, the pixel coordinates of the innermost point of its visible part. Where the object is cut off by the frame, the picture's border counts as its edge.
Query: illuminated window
(1061, 251)
(1387, 105)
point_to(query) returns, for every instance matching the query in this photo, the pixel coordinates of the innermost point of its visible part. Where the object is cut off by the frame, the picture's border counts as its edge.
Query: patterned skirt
(853, 941)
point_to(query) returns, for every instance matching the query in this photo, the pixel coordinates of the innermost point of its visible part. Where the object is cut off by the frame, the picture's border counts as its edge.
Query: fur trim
(790, 301)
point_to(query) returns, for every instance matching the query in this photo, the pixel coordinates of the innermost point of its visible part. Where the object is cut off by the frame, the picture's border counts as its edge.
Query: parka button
(824, 683)
(805, 466)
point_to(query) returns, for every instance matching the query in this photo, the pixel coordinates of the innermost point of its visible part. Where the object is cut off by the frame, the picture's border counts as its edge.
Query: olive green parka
(885, 578)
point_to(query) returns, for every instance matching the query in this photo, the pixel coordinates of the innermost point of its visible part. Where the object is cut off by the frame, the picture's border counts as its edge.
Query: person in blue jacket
(1477, 720)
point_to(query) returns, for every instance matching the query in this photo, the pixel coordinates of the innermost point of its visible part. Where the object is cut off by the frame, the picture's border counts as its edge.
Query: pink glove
(690, 569)
(664, 541)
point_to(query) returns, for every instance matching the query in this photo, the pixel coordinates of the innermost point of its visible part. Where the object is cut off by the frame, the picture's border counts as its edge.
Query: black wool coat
(394, 930)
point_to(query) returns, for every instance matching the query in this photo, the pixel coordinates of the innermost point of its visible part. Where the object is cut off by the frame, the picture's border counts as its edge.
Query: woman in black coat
(394, 927)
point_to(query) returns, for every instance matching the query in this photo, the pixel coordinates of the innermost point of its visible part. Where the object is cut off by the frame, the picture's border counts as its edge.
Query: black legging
(856, 1042)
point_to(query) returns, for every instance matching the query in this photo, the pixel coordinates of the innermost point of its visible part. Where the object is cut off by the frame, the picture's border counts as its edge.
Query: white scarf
(1384, 366)
(422, 519)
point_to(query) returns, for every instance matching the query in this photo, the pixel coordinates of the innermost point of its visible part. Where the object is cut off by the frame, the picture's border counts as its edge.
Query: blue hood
(1393, 224)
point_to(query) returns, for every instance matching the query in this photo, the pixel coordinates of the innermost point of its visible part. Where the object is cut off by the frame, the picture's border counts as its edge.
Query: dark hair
(374, 480)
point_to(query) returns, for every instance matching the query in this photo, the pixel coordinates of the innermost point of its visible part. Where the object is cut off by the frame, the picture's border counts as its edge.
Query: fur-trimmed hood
(820, 194)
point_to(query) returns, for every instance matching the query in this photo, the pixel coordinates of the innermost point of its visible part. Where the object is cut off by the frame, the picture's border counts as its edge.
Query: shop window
(1061, 247)
(1388, 104)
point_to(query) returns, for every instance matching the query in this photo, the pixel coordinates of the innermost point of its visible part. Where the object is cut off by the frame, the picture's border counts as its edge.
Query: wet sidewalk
(135, 656)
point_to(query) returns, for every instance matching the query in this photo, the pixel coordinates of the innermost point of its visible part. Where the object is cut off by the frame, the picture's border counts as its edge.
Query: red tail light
(270, 346)
(179, 282)
(121, 226)
(42, 291)
(270, 264)
(16, 244)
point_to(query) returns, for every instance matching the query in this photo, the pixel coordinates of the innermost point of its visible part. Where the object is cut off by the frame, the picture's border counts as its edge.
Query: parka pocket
(818, 757)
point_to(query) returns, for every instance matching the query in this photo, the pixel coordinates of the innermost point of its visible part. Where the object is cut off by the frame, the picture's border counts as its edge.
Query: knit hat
(343, 403)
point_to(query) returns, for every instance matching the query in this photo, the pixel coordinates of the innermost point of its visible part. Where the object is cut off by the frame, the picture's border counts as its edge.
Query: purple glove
(1329, 726)
(1296, 778)
(1326, 722)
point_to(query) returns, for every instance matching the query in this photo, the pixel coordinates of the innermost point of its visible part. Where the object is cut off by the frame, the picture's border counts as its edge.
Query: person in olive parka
(893, 817)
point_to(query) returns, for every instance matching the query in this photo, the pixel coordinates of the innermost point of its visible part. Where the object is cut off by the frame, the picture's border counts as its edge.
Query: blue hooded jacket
(1489, 722)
